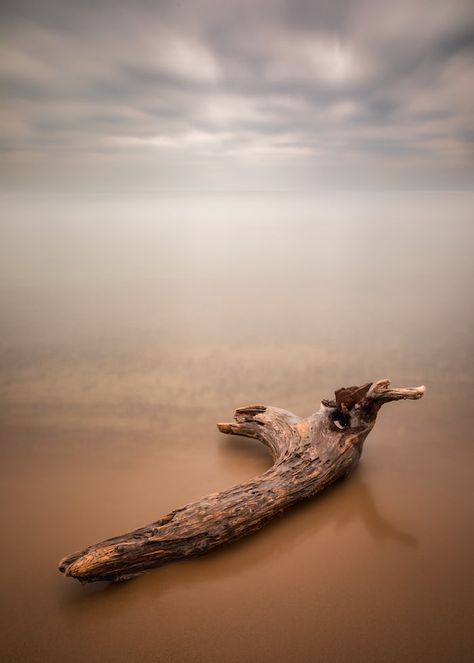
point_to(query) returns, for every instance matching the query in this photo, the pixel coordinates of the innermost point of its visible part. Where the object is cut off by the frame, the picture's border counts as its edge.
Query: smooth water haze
(132, 323)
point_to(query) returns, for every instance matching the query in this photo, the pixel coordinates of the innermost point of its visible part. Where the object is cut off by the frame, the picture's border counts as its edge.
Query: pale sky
(237, 95)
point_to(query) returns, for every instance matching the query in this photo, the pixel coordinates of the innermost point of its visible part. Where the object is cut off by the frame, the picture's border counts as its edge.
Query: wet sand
(131, 326)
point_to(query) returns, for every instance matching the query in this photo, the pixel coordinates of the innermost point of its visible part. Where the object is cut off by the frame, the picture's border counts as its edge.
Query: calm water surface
(131, 324)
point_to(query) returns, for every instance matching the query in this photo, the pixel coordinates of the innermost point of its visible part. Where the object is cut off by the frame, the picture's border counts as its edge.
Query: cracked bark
(309, 454)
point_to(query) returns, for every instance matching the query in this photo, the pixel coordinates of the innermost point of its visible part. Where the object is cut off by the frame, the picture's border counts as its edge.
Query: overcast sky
(237, 94)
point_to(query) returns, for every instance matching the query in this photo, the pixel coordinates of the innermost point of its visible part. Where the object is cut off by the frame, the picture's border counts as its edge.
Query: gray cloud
(273, 93)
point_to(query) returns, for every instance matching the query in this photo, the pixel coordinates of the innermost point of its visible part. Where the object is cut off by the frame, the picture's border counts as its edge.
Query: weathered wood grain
(308, 455)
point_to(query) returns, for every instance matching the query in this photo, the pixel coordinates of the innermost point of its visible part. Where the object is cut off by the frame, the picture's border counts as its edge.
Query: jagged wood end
(382, 392)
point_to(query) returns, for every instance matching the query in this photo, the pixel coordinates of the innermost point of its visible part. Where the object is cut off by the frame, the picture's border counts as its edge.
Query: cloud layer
(238, 94)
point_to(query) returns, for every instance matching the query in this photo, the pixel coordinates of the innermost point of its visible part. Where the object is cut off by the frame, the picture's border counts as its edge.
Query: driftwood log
(308, 455)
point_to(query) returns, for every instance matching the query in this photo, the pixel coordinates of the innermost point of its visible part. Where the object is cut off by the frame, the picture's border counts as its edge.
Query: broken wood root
(308, 455)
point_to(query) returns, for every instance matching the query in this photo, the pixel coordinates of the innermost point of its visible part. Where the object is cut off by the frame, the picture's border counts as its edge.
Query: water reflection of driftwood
(362, 504)
(359, 503)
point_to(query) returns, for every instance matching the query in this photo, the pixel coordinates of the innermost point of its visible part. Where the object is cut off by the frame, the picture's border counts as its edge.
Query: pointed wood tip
(226, 428)
(382, 392)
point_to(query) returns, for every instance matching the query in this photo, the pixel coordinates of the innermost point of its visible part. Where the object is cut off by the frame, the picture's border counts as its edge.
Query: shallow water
(132, 324)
